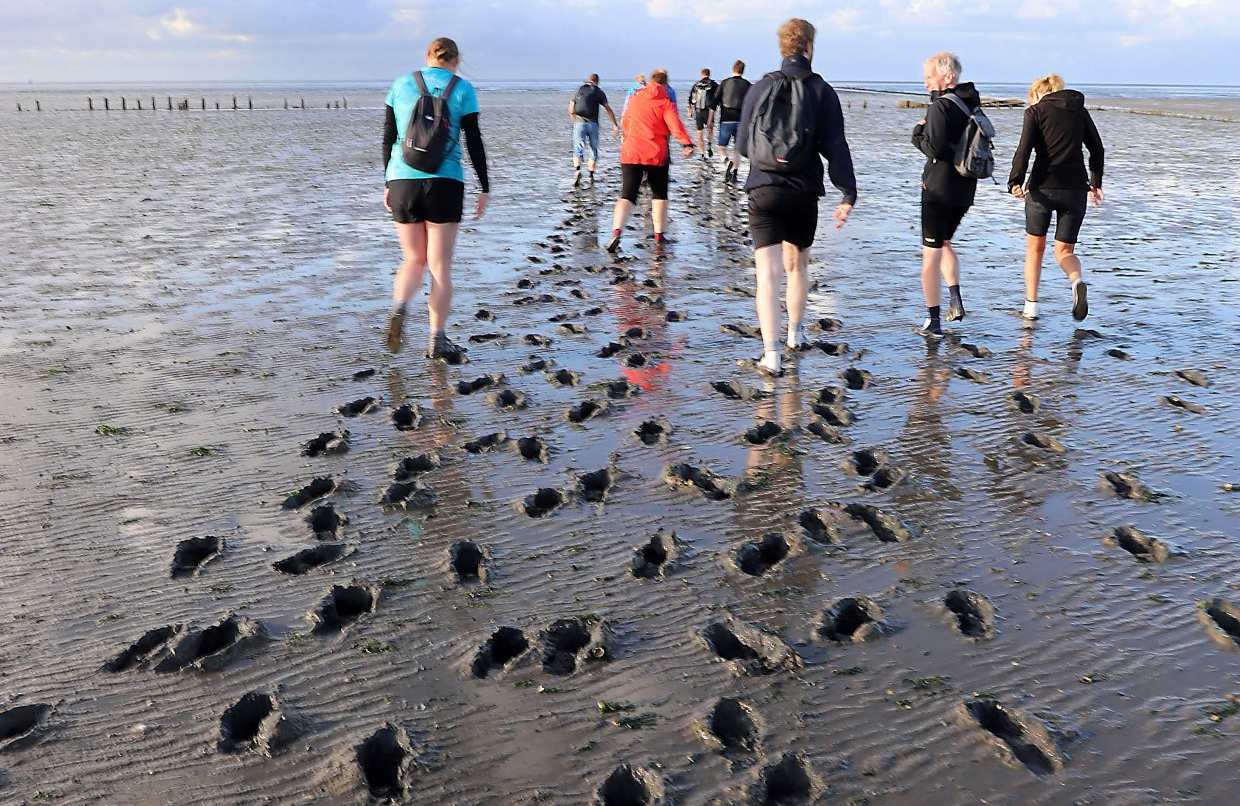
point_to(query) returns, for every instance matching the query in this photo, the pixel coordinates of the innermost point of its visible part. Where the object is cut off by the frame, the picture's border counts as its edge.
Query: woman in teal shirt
(428, 207)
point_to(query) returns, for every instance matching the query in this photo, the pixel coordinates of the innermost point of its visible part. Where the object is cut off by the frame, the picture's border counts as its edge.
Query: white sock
(1031, 309)
(1078, 280)
(796, 334)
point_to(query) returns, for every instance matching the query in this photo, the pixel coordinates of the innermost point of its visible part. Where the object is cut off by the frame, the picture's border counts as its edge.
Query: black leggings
(631, 179)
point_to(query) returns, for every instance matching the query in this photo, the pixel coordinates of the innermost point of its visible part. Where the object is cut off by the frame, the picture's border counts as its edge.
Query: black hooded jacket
(937, 138)
(1055, 128)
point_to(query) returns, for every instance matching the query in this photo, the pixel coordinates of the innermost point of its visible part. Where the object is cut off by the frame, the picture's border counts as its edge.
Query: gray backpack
(975, 152)
(781, 127)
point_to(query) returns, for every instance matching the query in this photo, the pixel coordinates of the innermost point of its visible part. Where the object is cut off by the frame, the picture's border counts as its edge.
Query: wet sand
(910, 583)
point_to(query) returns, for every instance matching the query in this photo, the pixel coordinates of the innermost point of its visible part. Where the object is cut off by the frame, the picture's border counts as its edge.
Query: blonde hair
(1044, 86)
(641, 78)
(795, 36)
(443, 49)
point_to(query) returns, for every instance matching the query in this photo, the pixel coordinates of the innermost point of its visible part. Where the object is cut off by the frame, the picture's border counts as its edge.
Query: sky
(1086, 41)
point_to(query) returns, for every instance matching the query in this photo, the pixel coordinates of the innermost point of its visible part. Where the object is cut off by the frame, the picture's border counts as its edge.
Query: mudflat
(249, 557)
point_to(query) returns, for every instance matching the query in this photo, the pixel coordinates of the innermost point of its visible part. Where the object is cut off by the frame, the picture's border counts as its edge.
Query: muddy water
(190, 298)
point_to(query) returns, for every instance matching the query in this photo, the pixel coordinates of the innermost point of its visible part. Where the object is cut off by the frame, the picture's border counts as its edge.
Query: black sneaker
(614, 245)
(930, 329)
(955, 310)
(444, 350)
(577, 178)
(1080, 303)
(395, 331)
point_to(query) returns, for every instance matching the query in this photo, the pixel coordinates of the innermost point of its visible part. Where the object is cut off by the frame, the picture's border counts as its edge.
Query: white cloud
(178, 23)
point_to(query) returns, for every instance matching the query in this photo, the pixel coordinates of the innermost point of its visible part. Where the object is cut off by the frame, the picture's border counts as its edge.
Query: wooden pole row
(183, 105)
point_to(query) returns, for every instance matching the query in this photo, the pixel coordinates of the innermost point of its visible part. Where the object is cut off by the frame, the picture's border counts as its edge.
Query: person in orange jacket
(650, 117)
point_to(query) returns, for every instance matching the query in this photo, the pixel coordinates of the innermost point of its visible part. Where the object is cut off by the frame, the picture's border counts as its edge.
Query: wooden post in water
(217, 106)
(249, 101)
(303, 103)
(169, 103)
(286, 103)
(38, 107)
(139, 104)
(90, 104)
(234, 103)
(19, 106)
(152, 103)
(123, 107)
(204, 104)
(106, 106)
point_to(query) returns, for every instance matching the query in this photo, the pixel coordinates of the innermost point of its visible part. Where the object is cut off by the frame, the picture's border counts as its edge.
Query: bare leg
(931, 275)
(1035, 248)
(620, 217)
(440, 243)
(1065, 254)
(950, 265)
(658, 209)
(796, 267)
(412, 267)
(767, 270)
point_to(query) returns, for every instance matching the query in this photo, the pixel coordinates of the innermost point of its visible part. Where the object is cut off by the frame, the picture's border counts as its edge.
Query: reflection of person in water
(925, 439)
(632, 314)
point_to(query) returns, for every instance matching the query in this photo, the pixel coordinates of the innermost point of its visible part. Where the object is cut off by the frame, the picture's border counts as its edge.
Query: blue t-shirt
(404, 94)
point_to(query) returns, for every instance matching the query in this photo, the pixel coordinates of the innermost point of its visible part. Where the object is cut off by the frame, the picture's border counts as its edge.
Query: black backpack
(781, 127)
(581, 102)
(732, 93)
(975, 151)
(429, 133)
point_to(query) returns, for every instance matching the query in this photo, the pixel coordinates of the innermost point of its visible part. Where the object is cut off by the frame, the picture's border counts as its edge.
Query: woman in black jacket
(1056, 126)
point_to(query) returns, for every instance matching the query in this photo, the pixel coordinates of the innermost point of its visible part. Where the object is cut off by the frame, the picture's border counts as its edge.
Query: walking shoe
(930, 329)
(395, 331)
(1030, 312)
(591, 183)
(1080, 305)
(955, 310)
(444, 350)
(577, 178)
(710, 151)
(614, 245)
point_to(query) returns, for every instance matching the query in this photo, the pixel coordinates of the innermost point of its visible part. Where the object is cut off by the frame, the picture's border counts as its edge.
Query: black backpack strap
(447, 91)
(951, 96)
(417, 77)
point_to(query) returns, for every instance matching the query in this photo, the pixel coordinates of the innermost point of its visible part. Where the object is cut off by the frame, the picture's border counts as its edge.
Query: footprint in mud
(622, 389)
(829, 325)
(326, 522)
(505, 646)
(884, 478)
(577, 293)
(317, 488)
(525, 283)
(826, 432)
(572, 329)
(138, 653)
(736, 391)
(876, 464)
(363, 374)
(535, 364)
(756, 558)
(886, 528)
(194, 553)
(414, 466)
(478, 384)
(564, 377)
(407, 418)
(483, 315)
(595, 311)
(857, 379)
(542, 503)
(713, 486)
(596, 486)
(975, 351)
(327, 443)
(509, 400)
(828, 347)
(676, 316)
(821, 525)
(487, 442)
(631, 786)
(21, 724)
(569, 642)
(535, 299)
(656, 558)
(1146, 549)
(536, 340)
(213, 648)
(637, 360)
(408, 495)
(1043, 441)
(483, 338)
(972, 375)
(742, 330)
(1026, 404)
(735, 725)
(828, 396)
(587, 410)
(358, 407)
(1195, 377)
(833, 414)
(638, 333)
(1178, 402)
(468, 562)
(306, 560)
(1222, 619)
(787, 783)
(854, 619)
(1115, 352)
(533, 449)
(256, 722)
(974, 614)
(753, 652)
(611, 348)
(386, 760)
(1081, 333)
(1024, 737)
(343, 605)
(764, 432)
(561, 317)
(1125, 485)
(653, 432)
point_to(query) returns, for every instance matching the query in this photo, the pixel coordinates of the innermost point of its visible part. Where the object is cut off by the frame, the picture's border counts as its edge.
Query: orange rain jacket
(649, 119)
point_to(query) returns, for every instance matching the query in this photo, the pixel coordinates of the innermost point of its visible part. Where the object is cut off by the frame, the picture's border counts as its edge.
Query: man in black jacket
(945, 195)
(702, 110)
(729, 100)
(783, 207)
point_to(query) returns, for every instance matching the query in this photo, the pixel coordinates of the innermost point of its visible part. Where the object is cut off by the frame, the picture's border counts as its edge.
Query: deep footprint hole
(506, 644)
(467, 561)
(242, 721)
(733, 724)
(382, 759)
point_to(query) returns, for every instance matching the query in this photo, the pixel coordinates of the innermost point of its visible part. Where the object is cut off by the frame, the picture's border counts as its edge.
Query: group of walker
(783, 203)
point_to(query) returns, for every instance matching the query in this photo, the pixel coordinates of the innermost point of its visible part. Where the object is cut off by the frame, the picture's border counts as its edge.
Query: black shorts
(778, 214)
(438, 200)
(702, 116)
(631, 180)
(1069, 207)
(939, 222)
